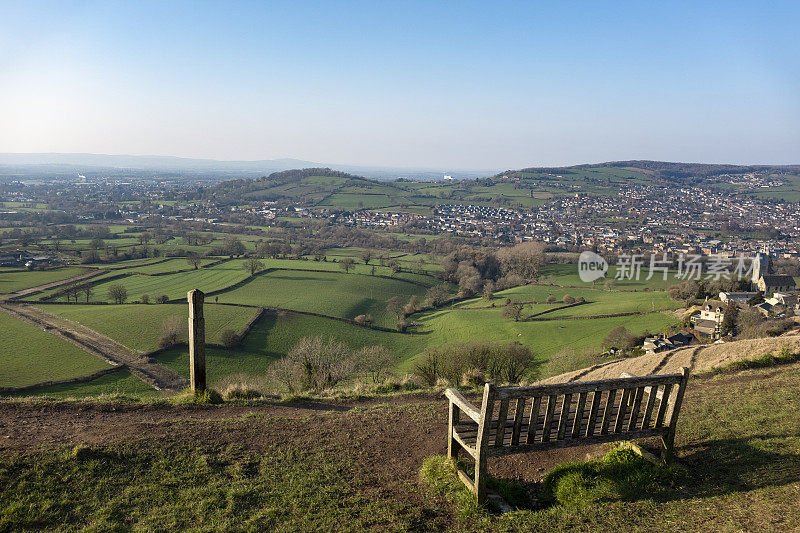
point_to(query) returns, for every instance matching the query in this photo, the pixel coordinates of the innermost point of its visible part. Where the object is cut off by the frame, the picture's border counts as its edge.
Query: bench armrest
(470, 410)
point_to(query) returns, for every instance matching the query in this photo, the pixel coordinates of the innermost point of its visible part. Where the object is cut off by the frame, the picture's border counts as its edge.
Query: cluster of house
(773, 295)
(24, 259)
(778, 295)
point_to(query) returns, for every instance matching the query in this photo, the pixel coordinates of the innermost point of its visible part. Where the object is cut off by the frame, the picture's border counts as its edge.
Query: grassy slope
(274, 336)
(737, 440)
(29, 355)
(175, 285)
(335, 294)
(140, 326)
(23, 279)
(121, 382)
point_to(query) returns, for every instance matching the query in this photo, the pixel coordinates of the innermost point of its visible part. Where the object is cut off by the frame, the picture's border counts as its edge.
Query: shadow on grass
(736, 465)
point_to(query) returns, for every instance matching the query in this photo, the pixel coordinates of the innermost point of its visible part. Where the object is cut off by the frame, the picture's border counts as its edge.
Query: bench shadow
(712, 468)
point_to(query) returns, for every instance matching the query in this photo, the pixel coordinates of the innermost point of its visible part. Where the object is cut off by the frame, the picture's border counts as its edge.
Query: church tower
(760, 268)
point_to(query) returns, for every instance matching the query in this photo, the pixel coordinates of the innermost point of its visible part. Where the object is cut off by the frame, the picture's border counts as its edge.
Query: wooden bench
(561, 415)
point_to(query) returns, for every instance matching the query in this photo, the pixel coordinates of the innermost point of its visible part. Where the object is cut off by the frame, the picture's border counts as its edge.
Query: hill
(355, 465)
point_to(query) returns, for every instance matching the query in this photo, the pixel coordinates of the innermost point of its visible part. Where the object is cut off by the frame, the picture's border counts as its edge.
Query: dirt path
(698, 358)
(154, 374)
(40, 288)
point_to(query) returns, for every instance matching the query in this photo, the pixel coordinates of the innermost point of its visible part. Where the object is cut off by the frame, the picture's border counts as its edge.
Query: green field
(29, 355)
(175, 285)
(122, 382)
(334, 294)
(11, 281)
(139, 326)
(275, 335)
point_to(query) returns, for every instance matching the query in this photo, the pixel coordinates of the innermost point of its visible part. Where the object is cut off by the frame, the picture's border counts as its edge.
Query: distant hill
(16, 165)
(659, 170)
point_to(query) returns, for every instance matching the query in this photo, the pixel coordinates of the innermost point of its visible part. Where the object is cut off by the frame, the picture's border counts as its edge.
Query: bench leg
(452, 443)
(668, 452)
(481, 473)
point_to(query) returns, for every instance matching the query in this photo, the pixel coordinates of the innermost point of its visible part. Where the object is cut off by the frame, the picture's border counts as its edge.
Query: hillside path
(154, 374)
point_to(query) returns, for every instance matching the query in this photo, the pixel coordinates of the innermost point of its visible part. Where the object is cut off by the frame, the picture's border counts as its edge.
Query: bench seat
(568, 414)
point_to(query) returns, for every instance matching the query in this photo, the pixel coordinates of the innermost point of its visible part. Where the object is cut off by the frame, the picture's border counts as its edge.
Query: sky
(458, 85)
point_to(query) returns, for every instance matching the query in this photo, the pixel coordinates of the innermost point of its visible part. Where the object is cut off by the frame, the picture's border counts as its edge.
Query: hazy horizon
(412, 85)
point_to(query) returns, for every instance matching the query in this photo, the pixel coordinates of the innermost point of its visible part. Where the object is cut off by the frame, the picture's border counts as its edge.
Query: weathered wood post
(197, 341)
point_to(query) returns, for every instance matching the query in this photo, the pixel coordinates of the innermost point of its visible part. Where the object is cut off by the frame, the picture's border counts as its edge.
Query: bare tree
(193, 258)
(252, 265)
(347, 264)
(118, 293)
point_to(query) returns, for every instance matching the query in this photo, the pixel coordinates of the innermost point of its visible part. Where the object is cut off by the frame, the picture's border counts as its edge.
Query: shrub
(569, 300)
(162, 299)
(174, 330)
(550, 299)
(315, 364)
(460, 362)
(229, 338)
(374, 362)
(364, 320)
(145, 299)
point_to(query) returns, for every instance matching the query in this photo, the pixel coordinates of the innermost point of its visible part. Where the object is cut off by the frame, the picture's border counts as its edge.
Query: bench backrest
(580, 412)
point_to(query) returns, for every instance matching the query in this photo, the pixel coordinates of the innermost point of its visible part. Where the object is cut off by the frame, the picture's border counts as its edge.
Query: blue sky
(484, 85)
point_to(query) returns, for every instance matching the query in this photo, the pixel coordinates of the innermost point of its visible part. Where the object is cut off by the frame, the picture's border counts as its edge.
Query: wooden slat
(533, 420)
(548, 417)
(566, 443)
(637, 404)
(519, 411)
(662, 408)
(592, 422)
(648, 411)
(562, 420)
(467, 481)
(576, 424)
(462, 442)
(623, 410)
(586, 386)
(502, 417)
(612, 394)
(463, 404)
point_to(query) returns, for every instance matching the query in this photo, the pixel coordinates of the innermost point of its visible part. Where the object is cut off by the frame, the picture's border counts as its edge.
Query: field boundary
(67, 381)
(16, 296)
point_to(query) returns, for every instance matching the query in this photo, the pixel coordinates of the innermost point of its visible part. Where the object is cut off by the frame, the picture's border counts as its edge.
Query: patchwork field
(139, 326)
(174, 285)
(11, 281)
(29, 355)
(334, 294)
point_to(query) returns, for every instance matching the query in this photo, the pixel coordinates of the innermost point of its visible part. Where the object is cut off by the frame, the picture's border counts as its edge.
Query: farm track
(154, 374)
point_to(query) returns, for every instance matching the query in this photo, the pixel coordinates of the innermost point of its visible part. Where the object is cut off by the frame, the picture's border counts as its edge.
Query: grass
(783, 358)
(29, 355)
(193, 487)
(620, 475)
(12, 281)
(139, 326)
(276, 335)
(544, 337)
(334, 294)
(738, 453)
(175, 285)
(738, 469)
(110, 386)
